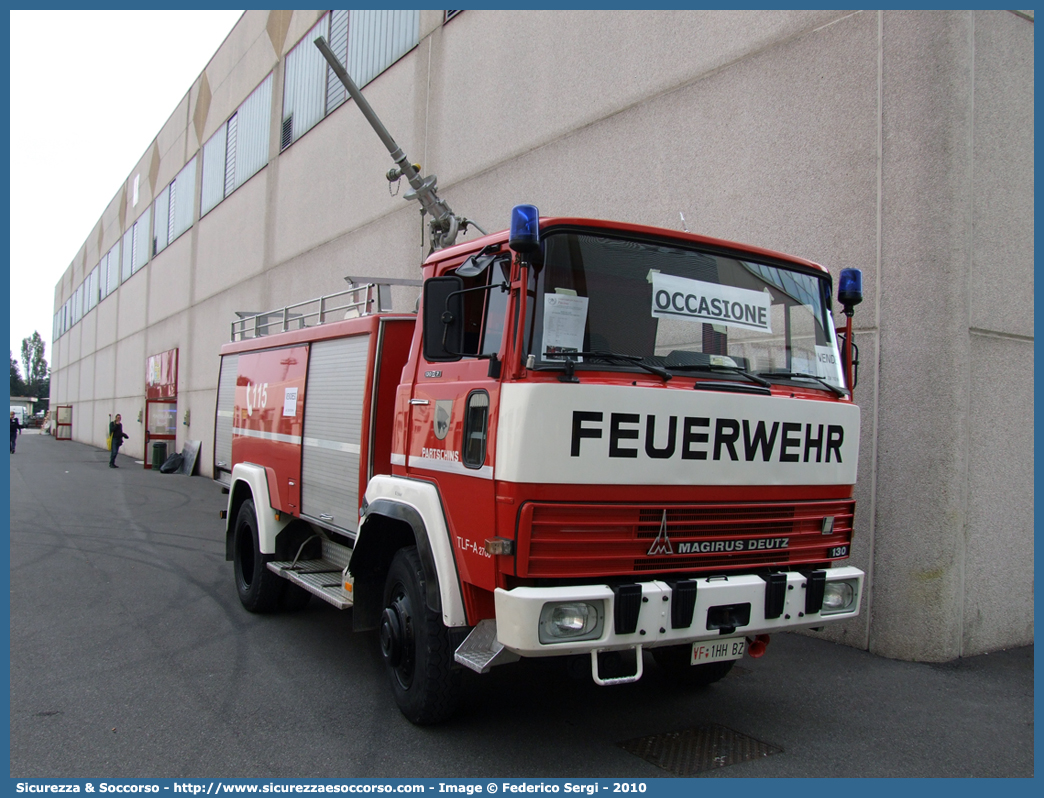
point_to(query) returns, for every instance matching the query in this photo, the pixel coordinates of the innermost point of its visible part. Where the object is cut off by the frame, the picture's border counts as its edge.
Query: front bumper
(518, 613)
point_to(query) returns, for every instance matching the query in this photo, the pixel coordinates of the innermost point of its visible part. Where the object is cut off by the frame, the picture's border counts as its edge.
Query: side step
(324, 577)
(481, 650)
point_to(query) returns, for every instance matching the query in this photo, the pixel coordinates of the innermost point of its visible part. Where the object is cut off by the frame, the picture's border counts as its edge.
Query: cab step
(481, 650)
(323, 577)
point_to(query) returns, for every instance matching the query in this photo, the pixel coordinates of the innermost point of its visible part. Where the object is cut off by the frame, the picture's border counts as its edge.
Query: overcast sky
(89, 92)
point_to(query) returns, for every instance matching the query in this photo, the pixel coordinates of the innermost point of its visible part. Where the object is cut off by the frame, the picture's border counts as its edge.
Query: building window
(77, 304)
(335, 91)
(213, 188)
(304, 85)
(377, 39)
(135, 246)
(253, 121)
(110, 271)
(366, 42)
(181, 200)
(92, 286)
(161, 233)
(237, 150)
(125, 259)
(449, 15)
(174, 208)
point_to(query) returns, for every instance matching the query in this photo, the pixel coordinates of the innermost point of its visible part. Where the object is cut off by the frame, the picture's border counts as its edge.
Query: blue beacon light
(850, 289)
(525, 229)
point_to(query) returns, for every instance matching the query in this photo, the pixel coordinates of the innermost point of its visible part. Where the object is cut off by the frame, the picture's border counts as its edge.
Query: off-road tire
(259, 589)
(673, 661)
(424, 680)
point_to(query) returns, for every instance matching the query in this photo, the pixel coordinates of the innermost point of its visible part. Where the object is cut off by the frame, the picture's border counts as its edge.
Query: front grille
(560, 540)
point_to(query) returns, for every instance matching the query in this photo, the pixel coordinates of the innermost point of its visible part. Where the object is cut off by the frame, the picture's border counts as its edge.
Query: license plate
(718, 650)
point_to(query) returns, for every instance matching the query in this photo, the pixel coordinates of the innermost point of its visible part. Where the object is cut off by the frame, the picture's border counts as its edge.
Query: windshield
(676, 308)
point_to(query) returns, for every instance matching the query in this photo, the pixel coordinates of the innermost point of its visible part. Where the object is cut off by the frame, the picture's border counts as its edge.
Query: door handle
(418, 401)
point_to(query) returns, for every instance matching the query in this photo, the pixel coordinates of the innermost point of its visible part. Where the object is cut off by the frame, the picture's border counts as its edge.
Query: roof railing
(360, 299)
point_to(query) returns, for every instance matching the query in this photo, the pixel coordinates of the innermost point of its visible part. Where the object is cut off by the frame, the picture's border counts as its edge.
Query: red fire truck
(593, 439)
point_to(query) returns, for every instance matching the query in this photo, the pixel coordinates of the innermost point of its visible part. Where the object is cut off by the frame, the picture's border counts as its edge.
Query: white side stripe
(297, 440)
(243, 432)
(337, 446)
(450, 467)
(398, 459)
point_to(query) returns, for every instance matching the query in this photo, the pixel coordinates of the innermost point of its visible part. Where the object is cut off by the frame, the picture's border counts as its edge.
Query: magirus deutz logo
(662, 545)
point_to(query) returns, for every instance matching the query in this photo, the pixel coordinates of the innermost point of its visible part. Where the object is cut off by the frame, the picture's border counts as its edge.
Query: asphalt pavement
(131, 656)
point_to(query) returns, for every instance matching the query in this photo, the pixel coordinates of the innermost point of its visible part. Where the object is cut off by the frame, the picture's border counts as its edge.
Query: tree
(17, 384)
(37, 375)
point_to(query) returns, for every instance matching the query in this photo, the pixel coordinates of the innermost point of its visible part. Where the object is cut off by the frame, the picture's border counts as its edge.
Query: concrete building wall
(900, 143)
(998, 568)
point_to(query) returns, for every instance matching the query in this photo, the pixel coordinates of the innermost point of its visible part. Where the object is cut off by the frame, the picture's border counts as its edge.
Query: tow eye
(756, 647)
(391, 633)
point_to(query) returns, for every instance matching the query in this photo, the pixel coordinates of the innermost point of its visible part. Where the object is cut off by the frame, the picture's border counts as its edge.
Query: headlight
(838, 596)
(562, 622)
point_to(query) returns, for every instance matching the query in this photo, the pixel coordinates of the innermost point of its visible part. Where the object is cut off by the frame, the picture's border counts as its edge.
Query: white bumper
(518, 613)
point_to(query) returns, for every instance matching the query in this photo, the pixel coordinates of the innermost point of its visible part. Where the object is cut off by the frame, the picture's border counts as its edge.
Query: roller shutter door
(334, 397)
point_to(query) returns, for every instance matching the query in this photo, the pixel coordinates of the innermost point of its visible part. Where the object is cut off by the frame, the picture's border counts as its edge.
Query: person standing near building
(118, 436)
(16, 427)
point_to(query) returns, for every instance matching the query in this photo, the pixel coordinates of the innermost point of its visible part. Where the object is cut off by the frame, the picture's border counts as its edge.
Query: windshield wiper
(724, 369)
(802, 375)
(635, 359)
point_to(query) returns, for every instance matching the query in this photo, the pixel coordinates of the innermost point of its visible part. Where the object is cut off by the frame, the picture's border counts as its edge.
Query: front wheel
(674, 661)
(415, 645)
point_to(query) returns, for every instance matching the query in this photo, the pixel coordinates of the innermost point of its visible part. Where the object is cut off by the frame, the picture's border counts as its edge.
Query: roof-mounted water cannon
(850, 294)
(444, 224)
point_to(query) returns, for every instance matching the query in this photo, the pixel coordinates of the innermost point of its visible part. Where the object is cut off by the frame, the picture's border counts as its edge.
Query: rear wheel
(259, 589)
(674, 662)
(416, 646)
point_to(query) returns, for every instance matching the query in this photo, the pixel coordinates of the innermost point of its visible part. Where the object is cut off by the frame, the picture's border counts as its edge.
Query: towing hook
(756, 647)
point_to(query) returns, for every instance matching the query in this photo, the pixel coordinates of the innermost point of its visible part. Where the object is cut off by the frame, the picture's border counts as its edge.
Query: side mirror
(443, 319)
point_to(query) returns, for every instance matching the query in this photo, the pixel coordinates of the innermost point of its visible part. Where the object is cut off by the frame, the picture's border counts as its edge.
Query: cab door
(452, 430)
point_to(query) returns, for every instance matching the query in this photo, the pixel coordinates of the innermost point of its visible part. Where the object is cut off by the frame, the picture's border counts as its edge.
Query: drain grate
(692, 751)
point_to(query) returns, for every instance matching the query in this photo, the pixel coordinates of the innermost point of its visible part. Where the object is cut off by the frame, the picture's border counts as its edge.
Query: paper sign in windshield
(681, 298)
(565, 318)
